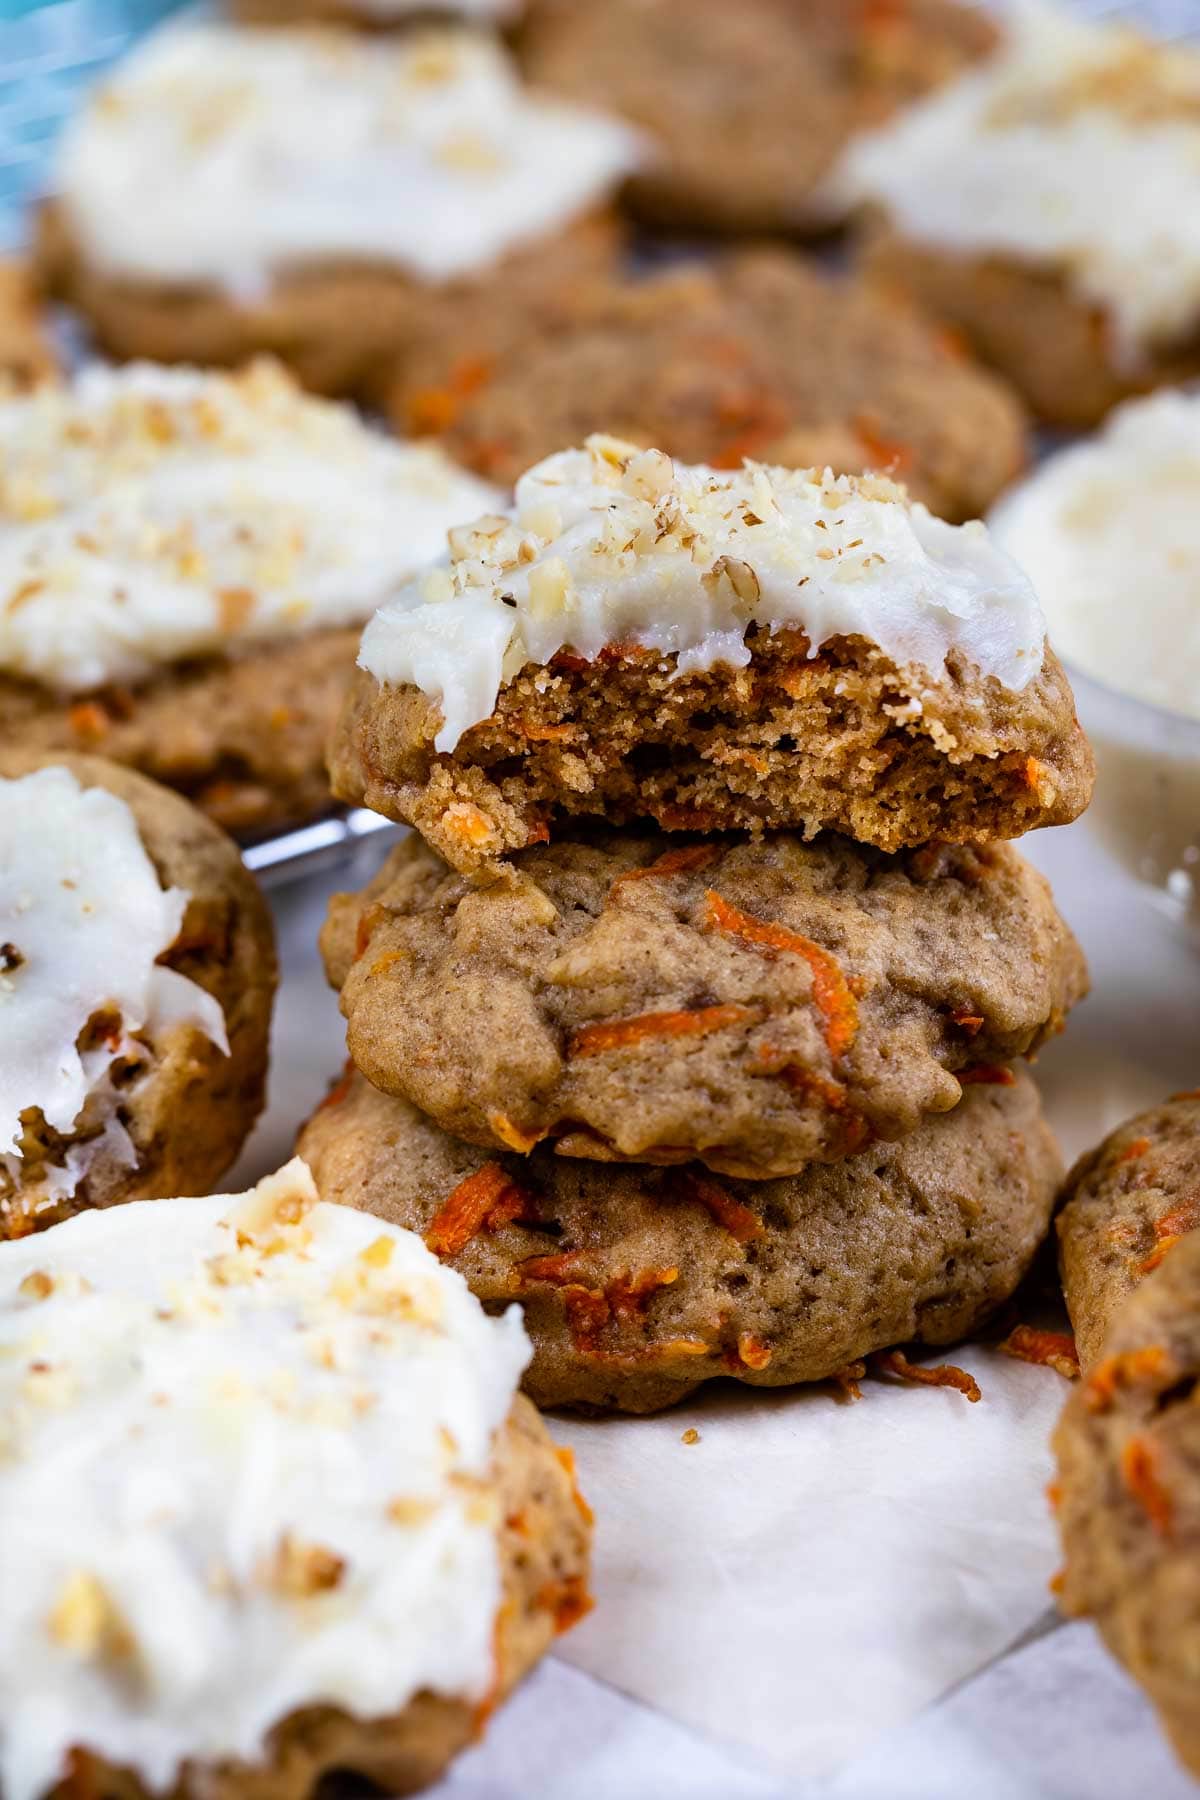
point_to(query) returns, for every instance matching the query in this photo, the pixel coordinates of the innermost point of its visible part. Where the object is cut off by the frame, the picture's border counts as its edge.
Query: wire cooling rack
(50, 52)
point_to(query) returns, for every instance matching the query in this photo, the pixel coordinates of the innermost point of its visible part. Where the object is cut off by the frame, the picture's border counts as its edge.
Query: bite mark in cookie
(757, 1005)
(716, 651)
(293, 1437)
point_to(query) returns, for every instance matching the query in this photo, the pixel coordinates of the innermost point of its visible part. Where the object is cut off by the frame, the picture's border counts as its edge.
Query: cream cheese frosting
(1113, 524)
(83, 919)
(610, 543)
(1076, 146)
(150, 514)
(245, 1454)
(222, 155)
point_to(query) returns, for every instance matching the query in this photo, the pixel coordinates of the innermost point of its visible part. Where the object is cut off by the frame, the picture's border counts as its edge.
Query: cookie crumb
(690, 1436)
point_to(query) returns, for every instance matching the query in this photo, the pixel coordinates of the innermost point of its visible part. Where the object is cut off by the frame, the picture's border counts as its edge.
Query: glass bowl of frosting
(1109, 530)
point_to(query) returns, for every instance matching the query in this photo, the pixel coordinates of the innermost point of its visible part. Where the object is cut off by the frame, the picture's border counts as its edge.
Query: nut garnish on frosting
(83, 920)
(151, 514)
(244, 1455)
(612, 544)
(225, 155)
(1077, 146)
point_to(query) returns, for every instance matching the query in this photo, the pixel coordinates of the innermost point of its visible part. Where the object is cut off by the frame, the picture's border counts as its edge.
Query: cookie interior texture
(759, 354)
(191, 1110)
(544, 1545)
(757, 1004)
(640, 1283)
(333, 323)
(749, 104)
(1128, 1449)
(1126, 1205)
(808, 743)
(1028, 324)
(27, 357)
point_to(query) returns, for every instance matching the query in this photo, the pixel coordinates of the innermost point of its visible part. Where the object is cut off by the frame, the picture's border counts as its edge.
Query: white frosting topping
(1113, 524)
(613, 544)
(151, 514)
(221, 154)
(1077, 146)
(82, 920)
(245, 1449)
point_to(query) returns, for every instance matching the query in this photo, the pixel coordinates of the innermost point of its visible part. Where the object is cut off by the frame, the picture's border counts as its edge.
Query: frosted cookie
(759, 354)
(739, 650)
(270, 1508)
(640, 1283)
(1128, 1494)
(1126, 1205)
(757, 1004)
(749, 104)
(1115, 515)
(27, 358)
(322, 195)
(186, 559)
(137, 970)
(1047, 204)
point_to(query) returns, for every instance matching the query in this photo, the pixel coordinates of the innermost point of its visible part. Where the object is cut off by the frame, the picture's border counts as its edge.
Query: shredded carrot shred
(1182, 1218)
(753, 1350)
(1140, 1471)
(985, 1075)
(855, 1129)
(369, 920)
(620, 1034)
(686, 818)
(588, 1312)
(847, 1379)
(484, 1201)
(889, 454)
(1158, 1255)
(568, 1600)
(968, 1022)
(672, 862)
(87, 718)
(1132, 1151)
(831, 991)
(1152, 1366)
(741, 1222)
(1054, 1495)
(511, 1136)
(546, 734)
(629, 1295)
(894, 1362)
(566, 1457)
(1057, 1582)
(560, 1268)
(1049, 1349)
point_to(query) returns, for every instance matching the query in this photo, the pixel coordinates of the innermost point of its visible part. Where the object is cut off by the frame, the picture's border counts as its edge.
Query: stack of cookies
(689, 1017)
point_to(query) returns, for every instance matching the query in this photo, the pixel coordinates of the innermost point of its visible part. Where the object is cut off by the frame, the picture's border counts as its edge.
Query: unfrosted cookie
(1128, 1494)
(137, 970)
(756, 1004)
(758, 354)
(271, 1508)
(1126, 1204)
(185, 564)
(748, 104)
(27, 358)
(640, 1283)
(759, 648)
(1046, 206)
(323, 195)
